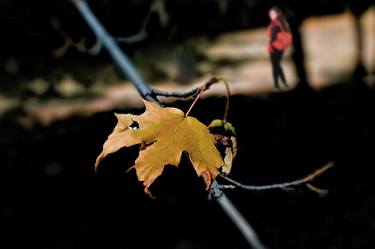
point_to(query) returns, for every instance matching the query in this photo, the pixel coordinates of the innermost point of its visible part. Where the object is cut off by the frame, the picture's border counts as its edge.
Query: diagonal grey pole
(145, 91)
(122, 61)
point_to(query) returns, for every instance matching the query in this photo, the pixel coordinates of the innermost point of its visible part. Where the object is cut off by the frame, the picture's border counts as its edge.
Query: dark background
(51, 197)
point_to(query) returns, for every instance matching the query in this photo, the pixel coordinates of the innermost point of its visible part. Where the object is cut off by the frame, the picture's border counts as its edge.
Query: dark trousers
(277, 70)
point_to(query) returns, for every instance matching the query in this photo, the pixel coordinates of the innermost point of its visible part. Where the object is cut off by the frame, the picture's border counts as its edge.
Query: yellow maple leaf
(166, 133)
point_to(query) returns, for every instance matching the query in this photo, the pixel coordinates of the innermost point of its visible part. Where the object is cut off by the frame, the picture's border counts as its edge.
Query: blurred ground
(240, 57)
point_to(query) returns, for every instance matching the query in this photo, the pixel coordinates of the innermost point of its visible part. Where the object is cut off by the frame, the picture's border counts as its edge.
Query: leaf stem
(195, 101)
(203, 88)
(225, 82)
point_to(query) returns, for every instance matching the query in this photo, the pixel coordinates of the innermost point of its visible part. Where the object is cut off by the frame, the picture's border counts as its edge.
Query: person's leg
(275, 66)
(280, 69)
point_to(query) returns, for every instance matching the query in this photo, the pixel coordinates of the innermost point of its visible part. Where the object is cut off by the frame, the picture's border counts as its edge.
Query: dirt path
(330, 48)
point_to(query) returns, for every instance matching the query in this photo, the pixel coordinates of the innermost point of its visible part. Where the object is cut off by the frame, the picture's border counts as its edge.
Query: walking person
(280, 38)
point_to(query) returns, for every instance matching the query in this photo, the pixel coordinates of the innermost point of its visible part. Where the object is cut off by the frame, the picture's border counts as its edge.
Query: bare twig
(236, 217)
(96, 48)
(321, 192)
(140, 35)
(284, 185)
(156, 6)
(68, 41)
(191, 93)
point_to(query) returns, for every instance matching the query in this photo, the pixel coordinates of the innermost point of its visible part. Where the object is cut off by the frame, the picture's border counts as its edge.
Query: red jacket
(275, 27)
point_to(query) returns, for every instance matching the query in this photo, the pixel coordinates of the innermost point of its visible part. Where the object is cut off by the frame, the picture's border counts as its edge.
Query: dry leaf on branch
(225, 140)
(164, 133)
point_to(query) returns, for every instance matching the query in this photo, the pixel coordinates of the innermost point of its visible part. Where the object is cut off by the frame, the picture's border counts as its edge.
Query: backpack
(283, 39)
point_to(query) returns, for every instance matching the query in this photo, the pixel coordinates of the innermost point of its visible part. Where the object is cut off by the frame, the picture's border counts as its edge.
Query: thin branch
(146, 92)
(237, 218)
(141, 34)
(284, 185)
(321, 192)
(156, 6)
(191, 93)
(96, 48)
